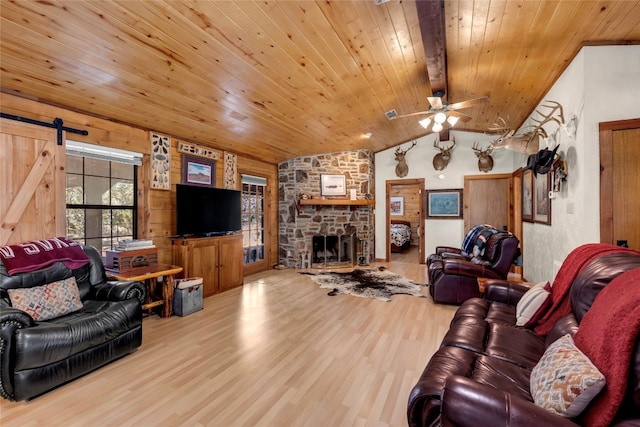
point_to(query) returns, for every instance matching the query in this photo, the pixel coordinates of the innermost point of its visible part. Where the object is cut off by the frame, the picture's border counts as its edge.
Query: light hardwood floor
(276, 352)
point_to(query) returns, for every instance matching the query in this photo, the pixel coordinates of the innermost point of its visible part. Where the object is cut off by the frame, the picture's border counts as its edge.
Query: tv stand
(217, 259)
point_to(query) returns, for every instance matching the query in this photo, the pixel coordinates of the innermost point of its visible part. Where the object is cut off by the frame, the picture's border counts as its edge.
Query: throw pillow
(48, 301)
(533, 304)
(564, 380)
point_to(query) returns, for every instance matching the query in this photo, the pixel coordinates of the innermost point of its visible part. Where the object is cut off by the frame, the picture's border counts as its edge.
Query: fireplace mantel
(336, 202)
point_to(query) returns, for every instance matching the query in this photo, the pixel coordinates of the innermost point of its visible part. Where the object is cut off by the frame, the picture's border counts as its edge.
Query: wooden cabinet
(218, 260)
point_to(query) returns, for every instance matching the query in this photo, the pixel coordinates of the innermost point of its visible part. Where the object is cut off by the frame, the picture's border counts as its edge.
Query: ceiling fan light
(425, 122)
(453, 120)
(440, 118)
(437, 127)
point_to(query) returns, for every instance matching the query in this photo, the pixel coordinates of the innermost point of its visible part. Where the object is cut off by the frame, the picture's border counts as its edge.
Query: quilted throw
(400, 234)
(38, 254)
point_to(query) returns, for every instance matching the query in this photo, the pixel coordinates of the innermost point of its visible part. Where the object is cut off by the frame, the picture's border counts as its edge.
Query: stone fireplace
(352, 225)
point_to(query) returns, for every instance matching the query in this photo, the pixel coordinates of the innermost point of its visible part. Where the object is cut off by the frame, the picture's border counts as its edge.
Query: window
(253, 218)
(100, 195)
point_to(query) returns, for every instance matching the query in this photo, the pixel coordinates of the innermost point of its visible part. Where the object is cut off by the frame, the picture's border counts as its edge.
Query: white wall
(601, 84)
(463, 162)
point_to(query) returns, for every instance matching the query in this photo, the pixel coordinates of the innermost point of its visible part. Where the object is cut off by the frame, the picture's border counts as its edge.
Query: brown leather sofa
(480, 376)
(454, 278)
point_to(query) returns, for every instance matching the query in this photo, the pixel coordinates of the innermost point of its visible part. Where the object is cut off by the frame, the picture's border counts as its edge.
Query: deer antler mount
(441, 160)
(528, 142)
(485, 161)
(402, 169)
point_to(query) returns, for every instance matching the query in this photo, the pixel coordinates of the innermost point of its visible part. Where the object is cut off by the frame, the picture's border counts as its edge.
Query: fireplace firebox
(334, 251)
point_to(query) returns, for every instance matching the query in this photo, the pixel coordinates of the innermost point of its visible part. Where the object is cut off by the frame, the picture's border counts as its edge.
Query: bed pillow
(47, 301)
(564, 380)
(533, 304)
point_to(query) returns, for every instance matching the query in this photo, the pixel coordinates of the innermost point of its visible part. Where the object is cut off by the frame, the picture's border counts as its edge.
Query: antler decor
(402, 169)
(528, 142)
(441, 160)
(485, 161)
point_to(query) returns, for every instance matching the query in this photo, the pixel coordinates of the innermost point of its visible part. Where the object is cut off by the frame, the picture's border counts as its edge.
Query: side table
(149, 275)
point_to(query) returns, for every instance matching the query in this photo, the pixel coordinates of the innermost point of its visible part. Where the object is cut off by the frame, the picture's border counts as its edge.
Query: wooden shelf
(336, 202)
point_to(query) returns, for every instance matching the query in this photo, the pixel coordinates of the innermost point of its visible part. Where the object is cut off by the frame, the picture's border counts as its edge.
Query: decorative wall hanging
(527, 195)
(333, 185)
(542, 207)
(446, 204)
(160, 161)
(230, 171)
(197, 150)
(198, 171)
(396, 205)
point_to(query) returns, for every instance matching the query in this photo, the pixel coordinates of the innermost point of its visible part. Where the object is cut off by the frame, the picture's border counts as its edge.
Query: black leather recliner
(36, 357)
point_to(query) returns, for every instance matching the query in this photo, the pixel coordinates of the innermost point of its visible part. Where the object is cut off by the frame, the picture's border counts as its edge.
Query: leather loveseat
(481, 374)
(453, 278)
(37, 356)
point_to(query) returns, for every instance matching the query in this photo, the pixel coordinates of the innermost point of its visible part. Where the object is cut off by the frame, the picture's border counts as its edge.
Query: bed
(400, 238)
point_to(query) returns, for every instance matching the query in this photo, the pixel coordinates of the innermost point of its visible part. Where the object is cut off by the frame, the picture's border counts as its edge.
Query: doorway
(620, 182)
(409, 207)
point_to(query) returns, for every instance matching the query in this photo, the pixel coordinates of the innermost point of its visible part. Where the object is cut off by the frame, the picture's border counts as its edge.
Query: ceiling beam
(431, 17)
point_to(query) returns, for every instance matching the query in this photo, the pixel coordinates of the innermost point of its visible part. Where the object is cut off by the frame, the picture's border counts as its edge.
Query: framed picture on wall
(333, 185)
(198, 171)
(396, 205)
(527, 195)
(542, 209)
(444, 204)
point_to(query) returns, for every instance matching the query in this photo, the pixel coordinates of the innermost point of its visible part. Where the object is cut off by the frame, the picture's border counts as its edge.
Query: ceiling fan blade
(468, 103)
(419, 113)
(462, 116)
(435, 101)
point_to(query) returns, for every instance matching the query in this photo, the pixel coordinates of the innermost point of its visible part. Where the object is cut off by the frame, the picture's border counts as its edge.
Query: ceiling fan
(440, 112)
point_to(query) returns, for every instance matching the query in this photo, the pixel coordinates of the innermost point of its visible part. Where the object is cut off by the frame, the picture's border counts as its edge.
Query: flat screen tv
(205, 211)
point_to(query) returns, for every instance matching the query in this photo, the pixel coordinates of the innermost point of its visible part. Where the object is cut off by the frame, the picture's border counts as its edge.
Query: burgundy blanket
(571, 267)
(607, 335)
(38, 254)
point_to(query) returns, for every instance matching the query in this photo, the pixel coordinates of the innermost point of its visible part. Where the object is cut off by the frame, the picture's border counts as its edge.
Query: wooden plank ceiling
(280, 79)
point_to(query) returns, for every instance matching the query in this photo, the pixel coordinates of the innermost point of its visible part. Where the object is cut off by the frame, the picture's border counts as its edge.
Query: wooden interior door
(620, 182)
(32, 183)
(488, 199)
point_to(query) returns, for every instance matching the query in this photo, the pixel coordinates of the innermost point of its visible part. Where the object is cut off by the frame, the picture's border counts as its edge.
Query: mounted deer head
(441, 160)
(402, 169)
(528, 142)
(485, 161)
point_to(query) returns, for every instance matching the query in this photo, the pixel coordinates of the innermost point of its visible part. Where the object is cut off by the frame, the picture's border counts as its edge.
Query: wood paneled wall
(411, 208)
(156, 208)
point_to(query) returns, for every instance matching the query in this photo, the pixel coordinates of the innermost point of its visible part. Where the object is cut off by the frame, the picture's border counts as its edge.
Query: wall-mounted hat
(542, 161)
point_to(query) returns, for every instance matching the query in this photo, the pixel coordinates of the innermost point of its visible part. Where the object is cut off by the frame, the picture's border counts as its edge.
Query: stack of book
(134, 245)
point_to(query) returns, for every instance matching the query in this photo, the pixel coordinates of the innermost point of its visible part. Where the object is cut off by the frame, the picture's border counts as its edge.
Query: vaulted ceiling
(281, 79)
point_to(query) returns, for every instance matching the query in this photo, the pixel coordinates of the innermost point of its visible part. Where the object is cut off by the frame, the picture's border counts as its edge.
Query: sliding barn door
(32, 183)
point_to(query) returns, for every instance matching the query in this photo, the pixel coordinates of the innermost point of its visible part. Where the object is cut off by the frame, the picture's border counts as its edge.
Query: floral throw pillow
(564, 381)
(48, 301)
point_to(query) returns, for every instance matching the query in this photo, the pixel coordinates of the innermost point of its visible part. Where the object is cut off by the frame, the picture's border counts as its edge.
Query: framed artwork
(527, 195)
(198, 171)
(396, 205)
(542, 209)
(333, 185)
(444, 204)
